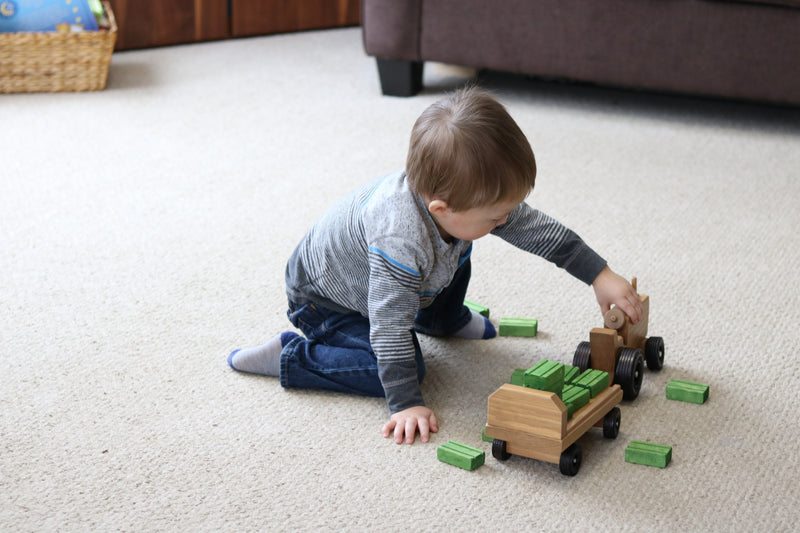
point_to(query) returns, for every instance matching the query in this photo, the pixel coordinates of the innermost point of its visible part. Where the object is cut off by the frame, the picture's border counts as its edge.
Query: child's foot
(264, 360)
(478, 327)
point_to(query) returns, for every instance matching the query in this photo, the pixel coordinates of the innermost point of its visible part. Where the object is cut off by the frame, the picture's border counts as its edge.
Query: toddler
(392, 259)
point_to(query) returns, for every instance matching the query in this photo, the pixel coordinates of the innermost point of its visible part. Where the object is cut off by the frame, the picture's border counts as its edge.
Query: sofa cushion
(783, 3)
(715, 48)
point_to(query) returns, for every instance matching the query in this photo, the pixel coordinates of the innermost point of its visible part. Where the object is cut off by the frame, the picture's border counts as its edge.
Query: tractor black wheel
(571, 459)
(499, 450)
(583, 356)
(611, 423)
(654, 353)
(629, 372)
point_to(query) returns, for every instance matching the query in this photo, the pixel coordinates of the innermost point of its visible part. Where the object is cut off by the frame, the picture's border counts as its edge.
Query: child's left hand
(612, 289)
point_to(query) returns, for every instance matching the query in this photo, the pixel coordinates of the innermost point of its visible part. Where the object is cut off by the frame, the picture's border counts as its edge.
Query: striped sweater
(378, 252)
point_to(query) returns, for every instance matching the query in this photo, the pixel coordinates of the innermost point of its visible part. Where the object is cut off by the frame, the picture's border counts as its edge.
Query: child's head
(468, 152)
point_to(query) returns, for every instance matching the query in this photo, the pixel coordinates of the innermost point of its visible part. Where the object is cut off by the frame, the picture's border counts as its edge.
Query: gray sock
(264, 360)
(478, 327)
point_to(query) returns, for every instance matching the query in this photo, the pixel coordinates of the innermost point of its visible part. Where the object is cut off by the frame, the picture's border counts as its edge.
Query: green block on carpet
(478, 308)
(518, 327)
(649, 454)
(570, 373)
(546, 376)
(574, 398)
(686, 391)
(517, 377)
(484, 438)
(596, 381)
(460, 455)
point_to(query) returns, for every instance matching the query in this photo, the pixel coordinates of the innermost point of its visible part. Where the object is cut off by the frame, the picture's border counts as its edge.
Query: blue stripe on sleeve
(392, 261)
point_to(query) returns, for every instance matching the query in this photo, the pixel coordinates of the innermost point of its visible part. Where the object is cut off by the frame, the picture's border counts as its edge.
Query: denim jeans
(336, 353)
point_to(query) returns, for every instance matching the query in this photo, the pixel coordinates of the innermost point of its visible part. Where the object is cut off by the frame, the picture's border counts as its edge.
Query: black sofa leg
(400, 77)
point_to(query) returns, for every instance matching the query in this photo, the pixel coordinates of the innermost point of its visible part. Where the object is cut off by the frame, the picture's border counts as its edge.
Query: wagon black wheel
(570, 461)
(583, 356)
(654, 353)
(629, 372)
(499, 450)
(611, 423)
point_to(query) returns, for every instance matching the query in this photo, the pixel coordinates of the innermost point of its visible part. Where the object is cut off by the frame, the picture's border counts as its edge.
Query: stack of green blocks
(570, 373)
(556, 377)
(648, 453)
(574, 398)
(546, 376)
(686, 391)
(596, 381)
(460, 455)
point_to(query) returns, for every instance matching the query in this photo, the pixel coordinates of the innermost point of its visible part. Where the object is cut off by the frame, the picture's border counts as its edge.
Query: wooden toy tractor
(622, 348)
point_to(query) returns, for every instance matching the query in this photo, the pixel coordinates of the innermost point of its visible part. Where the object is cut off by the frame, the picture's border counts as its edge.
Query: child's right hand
(612, 289)
(407, 422)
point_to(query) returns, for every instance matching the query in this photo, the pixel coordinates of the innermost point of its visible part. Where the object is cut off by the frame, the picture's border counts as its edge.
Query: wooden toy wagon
(534, 423)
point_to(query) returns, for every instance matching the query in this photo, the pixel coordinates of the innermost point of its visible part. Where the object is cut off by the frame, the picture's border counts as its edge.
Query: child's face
(473, 223)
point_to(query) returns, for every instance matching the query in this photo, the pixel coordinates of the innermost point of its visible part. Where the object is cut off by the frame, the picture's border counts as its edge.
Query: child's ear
(438, 207)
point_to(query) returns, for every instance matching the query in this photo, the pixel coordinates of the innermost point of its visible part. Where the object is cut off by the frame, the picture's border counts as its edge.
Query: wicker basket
(56, 62)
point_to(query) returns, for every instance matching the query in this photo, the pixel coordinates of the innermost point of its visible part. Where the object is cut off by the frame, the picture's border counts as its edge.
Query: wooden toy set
(547, 408)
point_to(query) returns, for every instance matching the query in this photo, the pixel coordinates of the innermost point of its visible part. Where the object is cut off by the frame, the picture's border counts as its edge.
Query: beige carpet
(143, 235)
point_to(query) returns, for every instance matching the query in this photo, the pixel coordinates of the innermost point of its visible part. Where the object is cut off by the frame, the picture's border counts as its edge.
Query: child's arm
(405, 424)
(394, 299)
(540, 234)
(612, 289)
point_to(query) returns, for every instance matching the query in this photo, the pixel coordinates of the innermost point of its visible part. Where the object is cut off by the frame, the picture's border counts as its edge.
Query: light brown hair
(466, 150)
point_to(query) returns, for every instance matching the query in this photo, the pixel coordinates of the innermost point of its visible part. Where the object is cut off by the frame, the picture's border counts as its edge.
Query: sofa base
(399, 77)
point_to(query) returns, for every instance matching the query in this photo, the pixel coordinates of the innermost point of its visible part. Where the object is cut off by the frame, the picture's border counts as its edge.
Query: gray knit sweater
(378, 252)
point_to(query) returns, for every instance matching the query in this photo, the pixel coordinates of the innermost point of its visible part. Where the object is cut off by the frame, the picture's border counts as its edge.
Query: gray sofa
(747, 49)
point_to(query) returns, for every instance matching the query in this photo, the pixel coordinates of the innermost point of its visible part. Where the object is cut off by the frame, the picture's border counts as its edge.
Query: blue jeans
(336, 353)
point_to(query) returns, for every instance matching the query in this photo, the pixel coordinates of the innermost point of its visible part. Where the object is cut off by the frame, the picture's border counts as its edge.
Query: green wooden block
(546, 376)
(570, 373)
(484, 437)
(518, 327)
(649, 454)
(517, 377)
(596, 381)
(574, 398)
(478, 308)
(461, 455)
(686, 391)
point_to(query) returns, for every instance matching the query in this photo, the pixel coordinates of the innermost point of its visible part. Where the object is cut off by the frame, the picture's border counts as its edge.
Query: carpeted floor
(143, 235)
